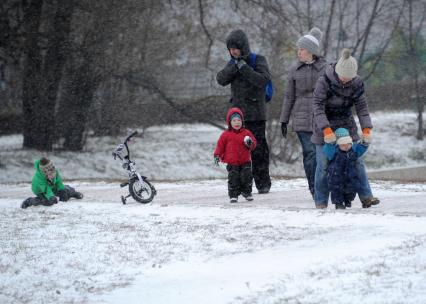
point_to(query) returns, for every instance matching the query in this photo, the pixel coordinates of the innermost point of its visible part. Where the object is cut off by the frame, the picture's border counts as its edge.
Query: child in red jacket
(234, 148)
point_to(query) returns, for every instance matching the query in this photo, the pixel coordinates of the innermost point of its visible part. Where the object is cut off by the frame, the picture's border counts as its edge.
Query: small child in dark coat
(234, 148)
(342, 176)
(47, 184)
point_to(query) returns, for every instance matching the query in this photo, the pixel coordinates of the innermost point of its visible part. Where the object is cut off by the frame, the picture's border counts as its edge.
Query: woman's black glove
(284, 129)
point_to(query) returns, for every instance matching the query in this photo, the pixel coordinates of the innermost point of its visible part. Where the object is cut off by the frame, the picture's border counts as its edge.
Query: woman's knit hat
(310, 42)
(343, 136)
(347, 65)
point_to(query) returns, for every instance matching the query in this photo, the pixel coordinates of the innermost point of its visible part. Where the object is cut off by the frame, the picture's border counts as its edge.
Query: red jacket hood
(228, 116)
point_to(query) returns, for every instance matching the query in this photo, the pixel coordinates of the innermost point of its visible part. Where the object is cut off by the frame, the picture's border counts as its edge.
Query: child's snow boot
(25, 204)
(78, 195)
(248, 197)
(234, 200)
(340, 206)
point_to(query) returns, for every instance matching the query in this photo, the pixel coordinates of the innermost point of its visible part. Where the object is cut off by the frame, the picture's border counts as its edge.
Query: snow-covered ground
(182, 152)
(191, 246)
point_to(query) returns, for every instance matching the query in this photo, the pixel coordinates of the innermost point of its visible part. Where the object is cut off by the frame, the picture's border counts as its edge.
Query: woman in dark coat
(336, 93)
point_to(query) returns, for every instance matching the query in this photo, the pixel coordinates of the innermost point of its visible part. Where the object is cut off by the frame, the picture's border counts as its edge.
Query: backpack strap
(269, 89)
(252, 60)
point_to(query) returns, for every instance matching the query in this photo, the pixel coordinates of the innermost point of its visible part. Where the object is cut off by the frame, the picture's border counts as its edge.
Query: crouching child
(47, 185)
(342, 177)
(234, 148)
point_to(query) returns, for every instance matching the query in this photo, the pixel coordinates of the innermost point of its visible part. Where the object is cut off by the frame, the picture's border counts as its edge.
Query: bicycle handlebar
(130, 136)
(127, 139)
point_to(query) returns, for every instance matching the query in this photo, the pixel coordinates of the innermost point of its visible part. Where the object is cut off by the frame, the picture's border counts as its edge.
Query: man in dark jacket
(248, 94)
(336, 93)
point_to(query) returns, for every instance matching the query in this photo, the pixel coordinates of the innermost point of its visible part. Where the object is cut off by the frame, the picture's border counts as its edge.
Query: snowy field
(182, 152)
(191, 246)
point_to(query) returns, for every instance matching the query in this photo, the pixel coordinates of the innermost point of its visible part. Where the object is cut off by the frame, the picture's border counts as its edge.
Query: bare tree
(43, 71)
(413, 36)
(206, 31)
(326, 40)
(32, 73)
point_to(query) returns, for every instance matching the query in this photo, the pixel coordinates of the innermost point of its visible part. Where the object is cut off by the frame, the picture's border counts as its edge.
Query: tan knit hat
(347, 65)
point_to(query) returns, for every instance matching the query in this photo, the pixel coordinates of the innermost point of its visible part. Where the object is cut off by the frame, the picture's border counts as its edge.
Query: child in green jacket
(47, 184)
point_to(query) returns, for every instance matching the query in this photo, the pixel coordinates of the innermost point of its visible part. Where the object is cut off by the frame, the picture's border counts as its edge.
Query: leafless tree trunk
(367, 32)
(32, 75)
(328, 28)
(206, 32)
(41, 83)
(412, 51)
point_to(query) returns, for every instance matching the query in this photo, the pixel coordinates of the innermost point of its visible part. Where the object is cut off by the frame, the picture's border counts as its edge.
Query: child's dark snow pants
(240, 180)
(342, 175)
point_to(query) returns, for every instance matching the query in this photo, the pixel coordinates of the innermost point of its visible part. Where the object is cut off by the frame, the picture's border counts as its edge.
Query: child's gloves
(366, 137)
(329, 136)
(284, 129)
(247, 141)
(216, 160)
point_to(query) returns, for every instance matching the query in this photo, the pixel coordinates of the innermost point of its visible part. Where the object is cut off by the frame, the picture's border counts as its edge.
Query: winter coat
(333, 105)
(41, 186)
(230, 147)
(342, 175)
(298, 97)
(247, 84)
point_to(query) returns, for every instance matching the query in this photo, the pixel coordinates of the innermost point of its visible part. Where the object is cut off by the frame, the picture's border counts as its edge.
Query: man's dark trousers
(260, 156)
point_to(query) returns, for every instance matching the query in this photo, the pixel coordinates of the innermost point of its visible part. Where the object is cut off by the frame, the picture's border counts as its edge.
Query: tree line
(72, 67)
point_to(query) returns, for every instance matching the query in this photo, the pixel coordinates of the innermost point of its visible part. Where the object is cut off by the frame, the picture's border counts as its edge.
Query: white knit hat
(347, 65)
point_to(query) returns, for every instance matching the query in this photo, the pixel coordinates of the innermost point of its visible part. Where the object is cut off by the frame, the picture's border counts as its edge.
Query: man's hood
(238, 39)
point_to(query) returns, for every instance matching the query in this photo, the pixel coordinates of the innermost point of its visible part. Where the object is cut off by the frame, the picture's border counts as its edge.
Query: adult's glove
(366, 137)
(329, 136)
(216, 160)
(240, 63)
(284, 129)
(248, 141)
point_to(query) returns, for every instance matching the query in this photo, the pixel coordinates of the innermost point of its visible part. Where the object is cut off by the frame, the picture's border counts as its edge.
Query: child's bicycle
(139, 186)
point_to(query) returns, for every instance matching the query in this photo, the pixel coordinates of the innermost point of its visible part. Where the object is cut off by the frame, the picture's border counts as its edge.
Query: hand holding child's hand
(366, 137)
(329, 136)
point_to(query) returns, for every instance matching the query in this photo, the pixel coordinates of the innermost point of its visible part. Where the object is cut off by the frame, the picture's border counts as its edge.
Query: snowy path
(191, 246)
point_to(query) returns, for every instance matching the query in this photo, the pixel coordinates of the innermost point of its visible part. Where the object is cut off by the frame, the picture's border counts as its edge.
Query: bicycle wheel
(141, 192)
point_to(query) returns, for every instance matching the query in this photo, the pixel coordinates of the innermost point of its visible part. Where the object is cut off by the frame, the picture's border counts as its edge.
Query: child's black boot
(340, 206)
(28, 202)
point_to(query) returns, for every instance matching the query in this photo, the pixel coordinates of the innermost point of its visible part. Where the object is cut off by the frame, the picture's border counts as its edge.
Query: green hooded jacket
(40, 184)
